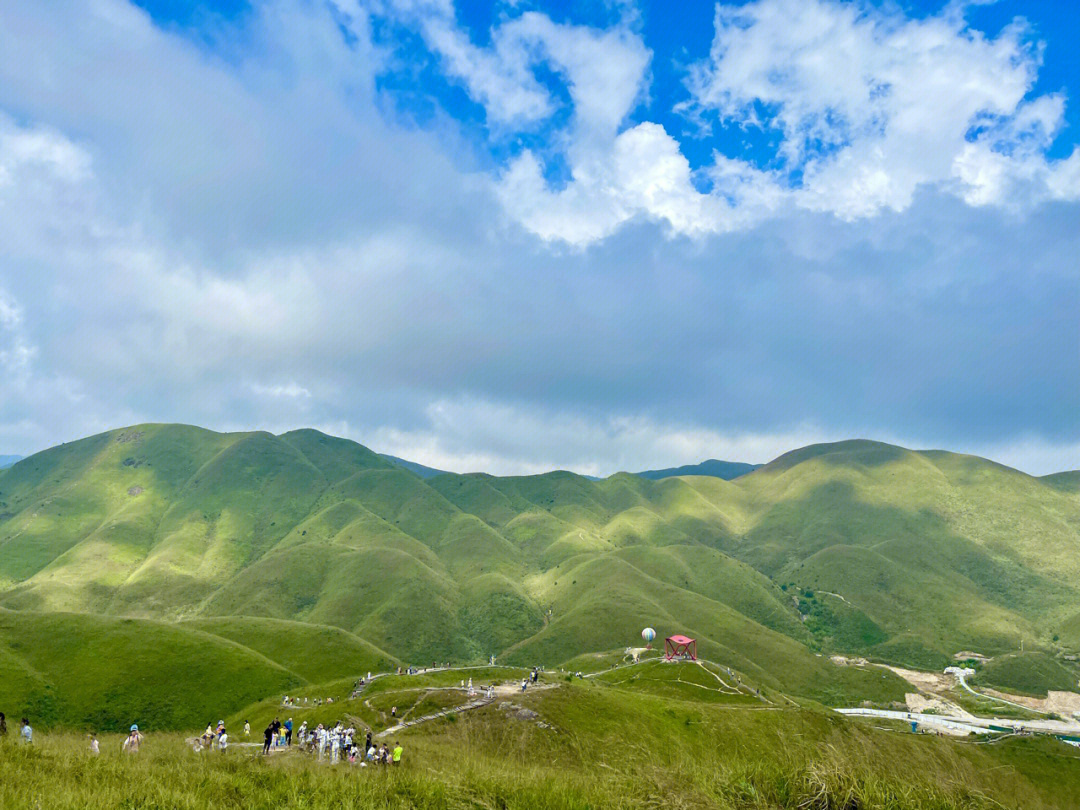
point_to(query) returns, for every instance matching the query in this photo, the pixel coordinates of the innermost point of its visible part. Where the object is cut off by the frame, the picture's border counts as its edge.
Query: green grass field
(601, 745)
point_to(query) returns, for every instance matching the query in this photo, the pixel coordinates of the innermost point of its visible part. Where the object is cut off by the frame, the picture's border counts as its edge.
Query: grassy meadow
(604, 745)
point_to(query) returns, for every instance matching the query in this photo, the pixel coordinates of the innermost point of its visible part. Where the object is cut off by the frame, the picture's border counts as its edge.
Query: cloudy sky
(513, 236)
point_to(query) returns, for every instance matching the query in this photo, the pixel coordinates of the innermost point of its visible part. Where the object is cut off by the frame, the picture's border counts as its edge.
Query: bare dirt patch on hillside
(1064, 703)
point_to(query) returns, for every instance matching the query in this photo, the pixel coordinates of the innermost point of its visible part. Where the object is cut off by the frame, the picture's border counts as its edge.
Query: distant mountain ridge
(7, 461)
(728, 470)
(714, 467)
(412, 466)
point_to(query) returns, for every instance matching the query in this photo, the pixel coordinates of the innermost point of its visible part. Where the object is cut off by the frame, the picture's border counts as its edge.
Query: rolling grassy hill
(855, 547)
(101, 672)
(105, 673)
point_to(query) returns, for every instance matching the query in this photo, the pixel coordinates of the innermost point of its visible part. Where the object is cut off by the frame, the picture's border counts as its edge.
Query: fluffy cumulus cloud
(226, 222)
(872, 105)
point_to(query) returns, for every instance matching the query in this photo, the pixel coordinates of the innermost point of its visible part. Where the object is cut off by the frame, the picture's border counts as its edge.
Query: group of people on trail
(336, 743)
(297, 702)
(532, 677)
(277, 734)
(213, 737)
(26, 734)
(340, 744)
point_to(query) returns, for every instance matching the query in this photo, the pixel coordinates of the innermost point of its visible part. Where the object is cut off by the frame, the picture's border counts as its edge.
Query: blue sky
(518, 236)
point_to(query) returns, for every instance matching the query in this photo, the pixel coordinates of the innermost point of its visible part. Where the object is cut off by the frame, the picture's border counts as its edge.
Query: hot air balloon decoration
(648, 634)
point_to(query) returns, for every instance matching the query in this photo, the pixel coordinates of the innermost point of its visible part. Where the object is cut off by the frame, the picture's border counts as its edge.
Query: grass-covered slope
(855, 547)
(314, 652)
(1029, 673)
(104, 673)
(601, 745)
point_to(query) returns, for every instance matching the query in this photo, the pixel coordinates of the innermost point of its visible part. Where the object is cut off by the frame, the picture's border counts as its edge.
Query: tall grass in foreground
(58, 772)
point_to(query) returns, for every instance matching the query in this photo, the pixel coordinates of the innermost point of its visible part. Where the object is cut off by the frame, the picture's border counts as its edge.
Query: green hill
(1031, 673)
(105, 673)
(1065, 481)
(855, 547)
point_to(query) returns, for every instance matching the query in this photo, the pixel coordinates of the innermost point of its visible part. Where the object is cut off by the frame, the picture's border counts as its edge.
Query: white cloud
(872, 105)
(499, 77)
(16, 352)
(640, 173)
(525, 441)
(185, 237)
(288, 391)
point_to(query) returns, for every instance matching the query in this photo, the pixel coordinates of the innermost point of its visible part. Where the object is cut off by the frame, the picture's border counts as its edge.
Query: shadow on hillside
(911, 568)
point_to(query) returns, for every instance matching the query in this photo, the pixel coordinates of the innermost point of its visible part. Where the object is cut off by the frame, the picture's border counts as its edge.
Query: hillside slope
(106, 673)
(854, 546)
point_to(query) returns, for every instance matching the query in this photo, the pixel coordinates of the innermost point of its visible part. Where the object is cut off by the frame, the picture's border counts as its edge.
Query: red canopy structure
(680, 647)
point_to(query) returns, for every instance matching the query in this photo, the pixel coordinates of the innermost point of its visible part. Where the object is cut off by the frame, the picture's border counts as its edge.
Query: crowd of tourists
(334, 744)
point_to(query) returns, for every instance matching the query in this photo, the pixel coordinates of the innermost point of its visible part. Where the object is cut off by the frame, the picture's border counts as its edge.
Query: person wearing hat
(133, 741)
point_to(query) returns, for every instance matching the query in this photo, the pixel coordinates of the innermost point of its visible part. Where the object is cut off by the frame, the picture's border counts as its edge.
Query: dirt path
(501, 691)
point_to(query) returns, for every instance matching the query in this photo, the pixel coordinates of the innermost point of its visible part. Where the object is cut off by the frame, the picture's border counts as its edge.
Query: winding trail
(502, 690)
(963, 682)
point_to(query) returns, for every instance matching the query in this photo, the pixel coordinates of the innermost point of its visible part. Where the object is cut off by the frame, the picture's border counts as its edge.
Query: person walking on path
(397, 753)
(288, 731)
(133, 741)
(27, 733)
(247, 729)
(268, 736)
(94, 748)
